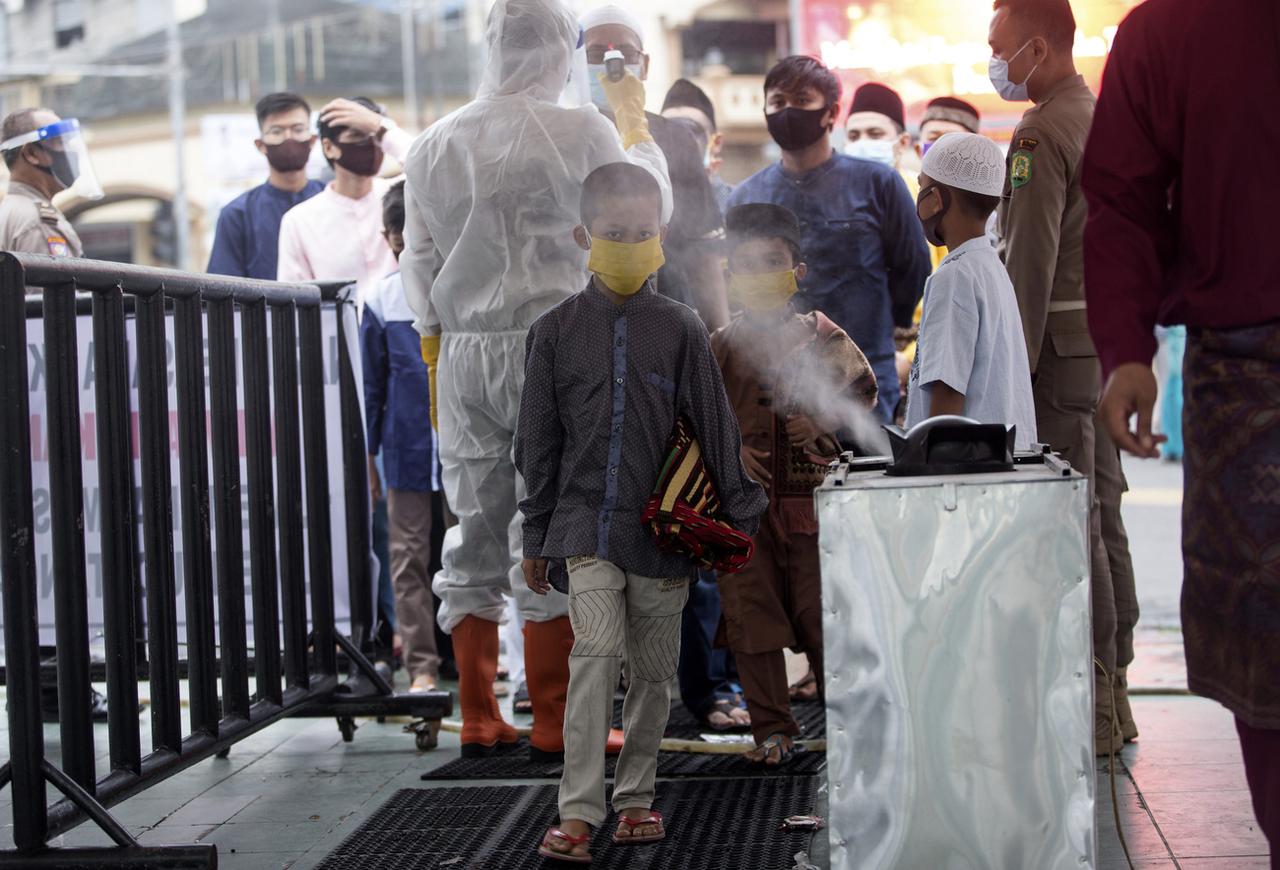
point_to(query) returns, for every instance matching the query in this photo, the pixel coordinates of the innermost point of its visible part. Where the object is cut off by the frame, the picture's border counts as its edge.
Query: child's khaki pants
(616, 614)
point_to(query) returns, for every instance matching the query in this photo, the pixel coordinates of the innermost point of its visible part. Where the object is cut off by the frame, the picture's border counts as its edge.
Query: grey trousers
(1109, 480)
(616, 615)
(409, 518)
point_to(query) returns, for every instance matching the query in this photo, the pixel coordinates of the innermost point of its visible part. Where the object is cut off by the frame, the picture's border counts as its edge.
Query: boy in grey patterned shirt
(607, 374)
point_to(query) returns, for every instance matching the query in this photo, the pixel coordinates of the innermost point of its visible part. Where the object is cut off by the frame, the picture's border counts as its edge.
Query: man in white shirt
(337, 234)
(971, 359)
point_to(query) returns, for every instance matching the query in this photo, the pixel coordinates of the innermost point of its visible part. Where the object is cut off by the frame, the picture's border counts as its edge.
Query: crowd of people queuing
(562, 297)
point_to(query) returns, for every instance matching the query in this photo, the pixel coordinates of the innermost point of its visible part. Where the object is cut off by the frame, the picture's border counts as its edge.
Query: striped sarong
(682, 512)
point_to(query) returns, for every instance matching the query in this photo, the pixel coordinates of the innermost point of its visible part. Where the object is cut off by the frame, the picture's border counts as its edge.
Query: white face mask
(998, 71)
(594, 71)
(879, 150)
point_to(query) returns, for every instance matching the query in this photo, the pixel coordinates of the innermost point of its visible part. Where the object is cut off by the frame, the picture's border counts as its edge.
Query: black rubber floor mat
(681, 725)
(671, 765)
(711, 825)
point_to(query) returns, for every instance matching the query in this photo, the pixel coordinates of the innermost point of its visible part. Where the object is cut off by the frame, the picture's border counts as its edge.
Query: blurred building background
(105, 62)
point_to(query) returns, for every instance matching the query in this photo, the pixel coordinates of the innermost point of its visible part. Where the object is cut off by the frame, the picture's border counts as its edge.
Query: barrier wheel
(426, 734)
(347, 726)
(224, 753)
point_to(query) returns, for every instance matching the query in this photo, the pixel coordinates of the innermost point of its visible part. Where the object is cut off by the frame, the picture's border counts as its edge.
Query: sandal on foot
(545, 850)
(521, 702)
(721, 717)
(653, 818)
(805, 689)
(785, 746)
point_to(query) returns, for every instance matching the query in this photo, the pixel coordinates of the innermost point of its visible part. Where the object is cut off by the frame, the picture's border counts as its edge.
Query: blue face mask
(594, 71)
(998, 72)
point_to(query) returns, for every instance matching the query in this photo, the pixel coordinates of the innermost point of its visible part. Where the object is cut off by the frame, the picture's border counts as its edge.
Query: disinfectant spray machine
(959, 673)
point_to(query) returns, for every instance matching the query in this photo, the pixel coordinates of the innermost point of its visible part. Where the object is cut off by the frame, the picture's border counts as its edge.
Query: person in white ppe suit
(492, 199)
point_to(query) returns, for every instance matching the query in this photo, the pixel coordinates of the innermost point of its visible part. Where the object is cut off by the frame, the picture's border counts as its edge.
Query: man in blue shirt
(248, 234)
(866, 251)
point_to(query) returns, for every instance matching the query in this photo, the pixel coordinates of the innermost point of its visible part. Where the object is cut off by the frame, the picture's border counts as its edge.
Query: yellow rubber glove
(626, 98)
(431, 356)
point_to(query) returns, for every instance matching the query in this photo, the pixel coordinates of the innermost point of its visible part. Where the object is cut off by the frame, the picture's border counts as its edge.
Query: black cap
(757, 220)
(875, 97)
(685, 94)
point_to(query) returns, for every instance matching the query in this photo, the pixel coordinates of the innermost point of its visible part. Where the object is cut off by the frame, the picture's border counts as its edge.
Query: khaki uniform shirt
(31, 224)
(1042, 217)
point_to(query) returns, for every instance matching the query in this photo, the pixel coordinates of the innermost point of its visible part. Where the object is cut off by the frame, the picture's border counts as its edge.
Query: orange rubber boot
(475, 646)
(546, 671)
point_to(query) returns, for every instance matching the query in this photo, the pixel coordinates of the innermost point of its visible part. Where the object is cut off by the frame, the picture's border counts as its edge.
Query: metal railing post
(66, 497)
(115, 470)
(18, 568)
(355, 474)
(293, 588)
(262, 531)
(316, 466)
(157, 523)
(227, 495)
(193, 479)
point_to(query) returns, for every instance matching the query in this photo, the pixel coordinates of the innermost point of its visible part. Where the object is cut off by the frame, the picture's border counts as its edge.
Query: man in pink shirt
(337, 233)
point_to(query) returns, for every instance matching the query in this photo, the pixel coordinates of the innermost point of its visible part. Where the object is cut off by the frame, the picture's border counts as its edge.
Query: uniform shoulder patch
(1019, 168)
(58, 246)
(1026, 143)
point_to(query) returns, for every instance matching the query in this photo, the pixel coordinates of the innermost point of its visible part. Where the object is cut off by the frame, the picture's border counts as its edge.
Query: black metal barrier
(287, 544)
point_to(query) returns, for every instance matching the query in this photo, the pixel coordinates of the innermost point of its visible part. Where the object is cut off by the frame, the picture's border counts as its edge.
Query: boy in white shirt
(972, 358)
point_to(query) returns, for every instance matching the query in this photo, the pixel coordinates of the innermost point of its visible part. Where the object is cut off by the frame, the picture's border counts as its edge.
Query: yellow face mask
(625, 267)
(764, 292)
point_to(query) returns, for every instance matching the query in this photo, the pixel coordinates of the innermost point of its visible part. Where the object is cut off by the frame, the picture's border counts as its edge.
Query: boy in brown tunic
(792, 379)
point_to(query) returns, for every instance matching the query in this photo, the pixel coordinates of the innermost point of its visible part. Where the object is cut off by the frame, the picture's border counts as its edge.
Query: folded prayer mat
(682, 513)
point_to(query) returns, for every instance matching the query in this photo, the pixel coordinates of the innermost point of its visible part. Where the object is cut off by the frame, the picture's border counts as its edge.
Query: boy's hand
(375, 482)
(802, 431)
(755, 460)
(535, 575)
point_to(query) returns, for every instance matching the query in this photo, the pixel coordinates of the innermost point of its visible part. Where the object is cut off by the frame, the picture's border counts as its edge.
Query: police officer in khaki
(1041, 228)
(45, 155)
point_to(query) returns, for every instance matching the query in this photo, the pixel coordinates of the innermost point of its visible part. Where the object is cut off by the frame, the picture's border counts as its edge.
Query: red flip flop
(545, 850)
(654, 818)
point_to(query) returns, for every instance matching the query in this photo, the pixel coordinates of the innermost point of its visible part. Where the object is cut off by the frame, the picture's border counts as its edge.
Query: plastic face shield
(65, 144)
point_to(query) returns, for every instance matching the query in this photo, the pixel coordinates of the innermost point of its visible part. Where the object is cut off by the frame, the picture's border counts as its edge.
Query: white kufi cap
(966, 161)
(612, 14)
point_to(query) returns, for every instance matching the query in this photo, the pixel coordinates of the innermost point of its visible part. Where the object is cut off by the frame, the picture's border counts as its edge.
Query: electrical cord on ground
(1111, 762)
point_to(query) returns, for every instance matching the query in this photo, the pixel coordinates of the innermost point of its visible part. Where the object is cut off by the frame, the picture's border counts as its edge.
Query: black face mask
(65, 169)
(932, 230)
(795, 129)
(361, 158)
(289, 155)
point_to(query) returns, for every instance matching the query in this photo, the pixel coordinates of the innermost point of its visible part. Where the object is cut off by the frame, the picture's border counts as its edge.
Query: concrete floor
(288, 795)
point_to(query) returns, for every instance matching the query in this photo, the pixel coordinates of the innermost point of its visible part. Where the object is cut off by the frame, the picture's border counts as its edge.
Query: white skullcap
(966, 161)
(612, 14)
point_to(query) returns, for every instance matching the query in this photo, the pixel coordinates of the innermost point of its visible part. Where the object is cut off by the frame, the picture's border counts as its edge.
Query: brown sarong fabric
(1231, 520)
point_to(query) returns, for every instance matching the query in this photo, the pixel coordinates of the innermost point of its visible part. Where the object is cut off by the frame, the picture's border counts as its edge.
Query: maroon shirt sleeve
(1129, 168)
